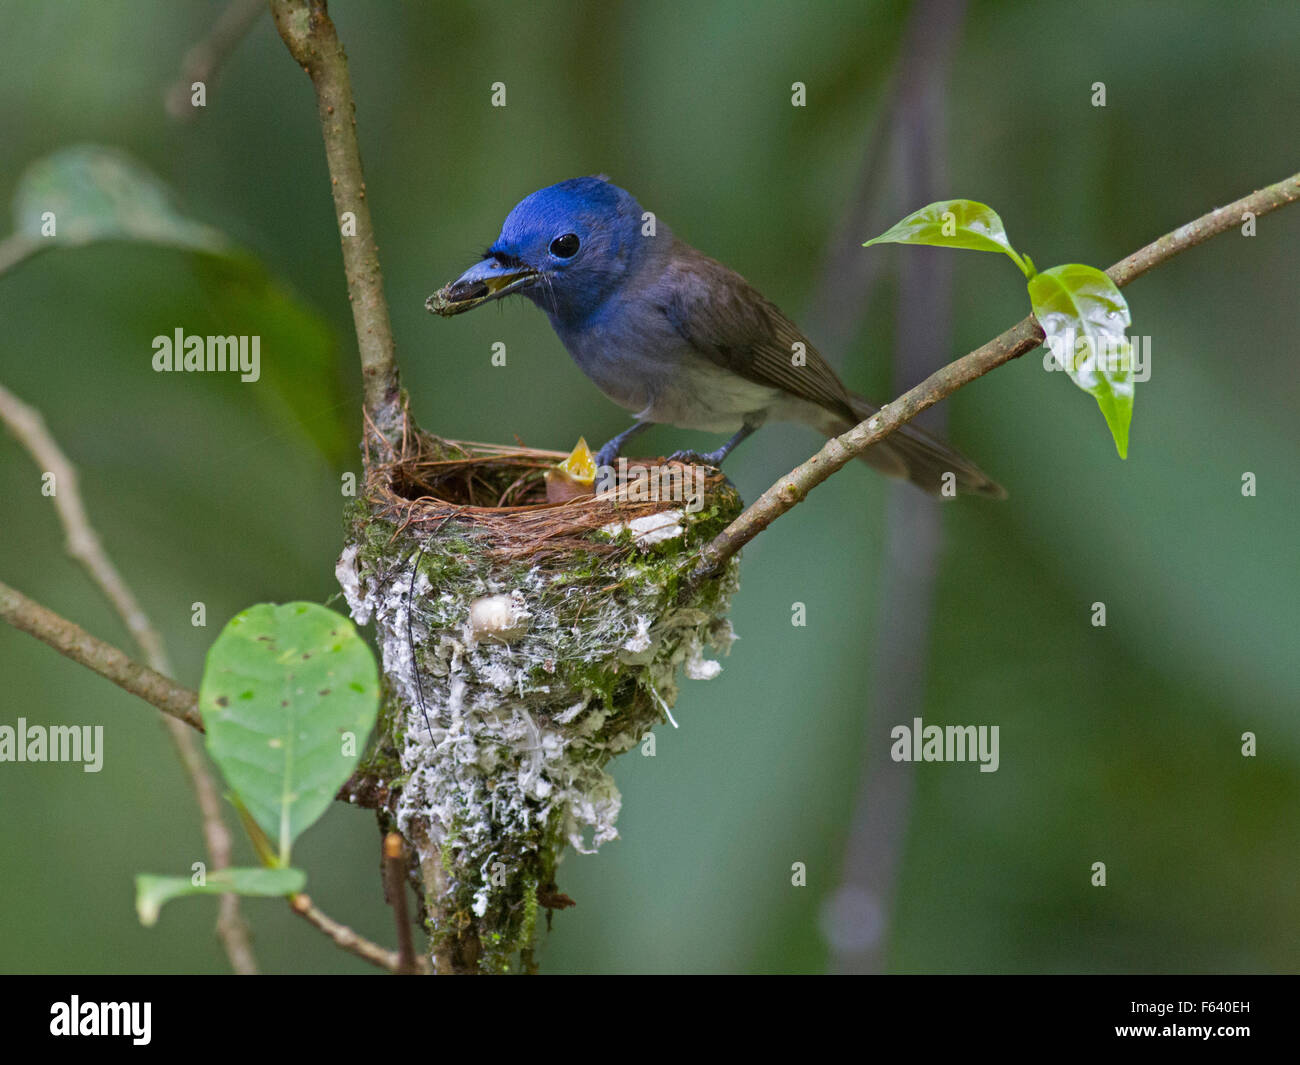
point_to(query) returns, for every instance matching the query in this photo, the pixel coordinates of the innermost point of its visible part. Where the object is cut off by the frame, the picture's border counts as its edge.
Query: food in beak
(463, 294)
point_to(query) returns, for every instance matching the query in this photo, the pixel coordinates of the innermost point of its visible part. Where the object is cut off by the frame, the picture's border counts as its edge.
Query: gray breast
(655, 373)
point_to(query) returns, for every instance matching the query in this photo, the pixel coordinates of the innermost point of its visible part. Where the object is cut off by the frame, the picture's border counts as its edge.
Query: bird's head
(566, 247)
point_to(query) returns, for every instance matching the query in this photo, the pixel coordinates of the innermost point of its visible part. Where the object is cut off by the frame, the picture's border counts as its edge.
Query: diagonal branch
(345, 938)
(1022, 337)
(76, 643)
(169, 697)
(28, 427)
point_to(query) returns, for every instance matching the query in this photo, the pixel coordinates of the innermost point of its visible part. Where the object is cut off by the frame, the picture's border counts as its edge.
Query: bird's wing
(725, 319)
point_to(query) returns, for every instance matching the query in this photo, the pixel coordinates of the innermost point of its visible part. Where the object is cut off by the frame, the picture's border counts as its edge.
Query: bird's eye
(565, 247)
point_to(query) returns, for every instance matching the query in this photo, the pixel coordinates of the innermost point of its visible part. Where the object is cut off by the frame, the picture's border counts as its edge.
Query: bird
(676, 337)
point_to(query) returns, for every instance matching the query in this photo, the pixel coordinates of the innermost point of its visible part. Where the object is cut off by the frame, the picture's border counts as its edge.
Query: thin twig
(76, 643)
(83, 544)
(1020, 338)
(231, 927)
(202, 62)
(349, 940)
(311, 39)
(171, 698)
(395, 888)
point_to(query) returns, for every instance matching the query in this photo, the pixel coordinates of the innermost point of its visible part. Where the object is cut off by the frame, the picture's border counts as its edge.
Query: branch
(1020, 338)
(395, 866)
(181, 704)
(76, 643)
(232, 930)
(203, 60)
(309, 34)
(28, 427)
(350, 941)
(108, 661)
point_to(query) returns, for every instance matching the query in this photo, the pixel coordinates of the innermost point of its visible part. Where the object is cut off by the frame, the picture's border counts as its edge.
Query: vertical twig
(28, 428)
(859, 915)
(395, 888)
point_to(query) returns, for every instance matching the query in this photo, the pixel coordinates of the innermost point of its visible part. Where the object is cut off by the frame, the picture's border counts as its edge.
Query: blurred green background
(1118, 744)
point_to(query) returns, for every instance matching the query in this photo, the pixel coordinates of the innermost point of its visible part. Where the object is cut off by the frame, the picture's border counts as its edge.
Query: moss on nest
(523, 646)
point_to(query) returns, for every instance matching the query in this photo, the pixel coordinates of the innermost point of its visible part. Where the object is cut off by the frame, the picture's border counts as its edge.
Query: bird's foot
(608, 455)
(700, 458)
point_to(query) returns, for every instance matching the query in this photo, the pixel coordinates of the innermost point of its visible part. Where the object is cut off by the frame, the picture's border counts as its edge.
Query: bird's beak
(486, 280)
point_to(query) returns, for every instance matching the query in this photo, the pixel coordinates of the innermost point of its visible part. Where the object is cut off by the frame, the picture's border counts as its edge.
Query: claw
(699, 458)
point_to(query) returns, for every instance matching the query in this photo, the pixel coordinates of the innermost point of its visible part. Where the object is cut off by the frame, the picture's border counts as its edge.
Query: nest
(525, 644)
(497, 493)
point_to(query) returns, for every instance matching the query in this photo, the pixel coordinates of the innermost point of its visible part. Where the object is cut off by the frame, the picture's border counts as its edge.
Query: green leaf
(954, 224)
(289, 695)
(153, 892)
(98, 193)
(1085, 318)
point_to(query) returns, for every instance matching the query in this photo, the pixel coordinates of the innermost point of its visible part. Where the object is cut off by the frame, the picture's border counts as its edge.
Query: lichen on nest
(524, 646)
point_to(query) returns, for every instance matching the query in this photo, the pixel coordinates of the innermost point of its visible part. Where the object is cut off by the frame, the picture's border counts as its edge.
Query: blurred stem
(169, 697)
(203, 61)
(862, 910)
(309, 34)
(83, 544)
(1024, 336)
(847, 279)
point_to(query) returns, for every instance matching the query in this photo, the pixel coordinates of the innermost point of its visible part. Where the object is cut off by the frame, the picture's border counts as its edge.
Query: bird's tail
(914, 454)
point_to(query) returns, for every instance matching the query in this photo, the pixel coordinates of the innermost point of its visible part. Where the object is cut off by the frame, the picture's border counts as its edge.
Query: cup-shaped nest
(525, 643)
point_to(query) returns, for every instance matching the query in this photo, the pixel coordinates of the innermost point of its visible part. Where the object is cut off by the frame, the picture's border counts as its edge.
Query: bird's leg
(714, 458)
(609, 452)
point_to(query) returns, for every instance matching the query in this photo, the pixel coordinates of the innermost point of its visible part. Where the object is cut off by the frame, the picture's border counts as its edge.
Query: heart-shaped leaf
(1085, 318)
(289, 695)
(153, 892)
(954, 224)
